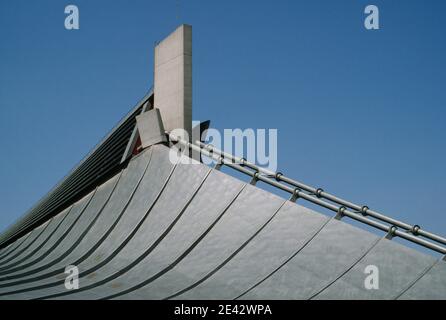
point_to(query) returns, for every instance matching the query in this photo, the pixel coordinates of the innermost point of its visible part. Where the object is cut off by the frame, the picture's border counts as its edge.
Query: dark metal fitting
(392, 230)
(319, 192)
(296, 192)
(278, 175)
(255, 178)
(415, 229)
(364, 210)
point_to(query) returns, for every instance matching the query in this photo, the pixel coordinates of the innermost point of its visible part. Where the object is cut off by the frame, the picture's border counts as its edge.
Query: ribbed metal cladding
(102, 162)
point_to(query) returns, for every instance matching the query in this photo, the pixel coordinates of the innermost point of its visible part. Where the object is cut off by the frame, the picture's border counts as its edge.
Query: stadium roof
(139, 226)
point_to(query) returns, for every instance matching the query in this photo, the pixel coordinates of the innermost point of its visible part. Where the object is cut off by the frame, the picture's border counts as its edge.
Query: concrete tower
(173, 79)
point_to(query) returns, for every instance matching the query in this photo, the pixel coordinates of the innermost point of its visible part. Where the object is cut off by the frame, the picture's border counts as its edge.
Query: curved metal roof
(159, 230)
(100, 163)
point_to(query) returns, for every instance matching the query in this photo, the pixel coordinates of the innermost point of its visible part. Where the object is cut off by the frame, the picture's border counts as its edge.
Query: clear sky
(360, 113)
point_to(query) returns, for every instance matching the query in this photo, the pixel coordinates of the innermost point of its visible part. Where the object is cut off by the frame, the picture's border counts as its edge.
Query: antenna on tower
(177, 5)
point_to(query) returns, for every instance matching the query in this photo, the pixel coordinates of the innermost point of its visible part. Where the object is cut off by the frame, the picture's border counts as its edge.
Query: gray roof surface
(103, 161)
(159, 230)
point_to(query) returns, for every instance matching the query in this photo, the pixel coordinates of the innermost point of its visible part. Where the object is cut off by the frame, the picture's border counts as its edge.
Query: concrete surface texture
(150, 128)
(162, 230)
(173, 79)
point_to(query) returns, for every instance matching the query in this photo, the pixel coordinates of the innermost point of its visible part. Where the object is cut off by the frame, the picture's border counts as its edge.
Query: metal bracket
(199, 130)
(318, 192)
(340, 213)
(364, 210)
(219, 163)
(135, 135)
(254, 179)
(391, 234)
(415, 230)
(295, 195)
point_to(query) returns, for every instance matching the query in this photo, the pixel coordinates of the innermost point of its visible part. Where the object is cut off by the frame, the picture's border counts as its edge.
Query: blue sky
(360, 113)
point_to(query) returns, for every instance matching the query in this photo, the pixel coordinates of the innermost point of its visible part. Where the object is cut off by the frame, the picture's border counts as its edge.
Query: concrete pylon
(173, 79)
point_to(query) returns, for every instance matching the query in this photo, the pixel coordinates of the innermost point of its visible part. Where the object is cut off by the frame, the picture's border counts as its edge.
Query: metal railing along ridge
(299, 190)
